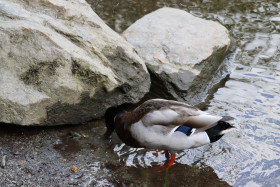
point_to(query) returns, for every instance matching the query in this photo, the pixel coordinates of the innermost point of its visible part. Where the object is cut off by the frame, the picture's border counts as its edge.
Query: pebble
(74, 169)
(75, 135)
(3, 162)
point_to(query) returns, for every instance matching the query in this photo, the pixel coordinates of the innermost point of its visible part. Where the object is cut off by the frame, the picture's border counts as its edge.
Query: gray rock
(182, 52)
(61, 64)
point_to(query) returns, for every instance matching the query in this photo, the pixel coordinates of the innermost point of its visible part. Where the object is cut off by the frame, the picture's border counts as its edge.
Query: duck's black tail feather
(216, 132)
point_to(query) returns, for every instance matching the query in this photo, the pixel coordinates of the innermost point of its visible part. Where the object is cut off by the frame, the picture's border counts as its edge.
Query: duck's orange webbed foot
(168, 165)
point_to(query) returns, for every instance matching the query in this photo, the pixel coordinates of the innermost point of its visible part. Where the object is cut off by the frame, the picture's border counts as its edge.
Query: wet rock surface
(40, 156)
(183, 53)
(61, 64)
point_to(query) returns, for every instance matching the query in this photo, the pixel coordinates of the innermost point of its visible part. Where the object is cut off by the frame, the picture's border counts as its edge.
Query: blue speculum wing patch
(184, 129)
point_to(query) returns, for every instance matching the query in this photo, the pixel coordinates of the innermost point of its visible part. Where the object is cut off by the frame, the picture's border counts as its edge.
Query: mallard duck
(166, 125)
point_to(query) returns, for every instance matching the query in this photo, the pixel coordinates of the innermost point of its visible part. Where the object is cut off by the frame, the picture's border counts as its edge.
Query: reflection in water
(178, 175)
(249, 156)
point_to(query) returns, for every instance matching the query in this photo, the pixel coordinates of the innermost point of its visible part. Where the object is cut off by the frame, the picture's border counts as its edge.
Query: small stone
(75, 135)
(16, 153)
(3, 162)
(74, 169)
(84, 135)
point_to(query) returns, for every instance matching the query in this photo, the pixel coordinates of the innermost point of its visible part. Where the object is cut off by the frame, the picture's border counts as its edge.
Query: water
(250, 156)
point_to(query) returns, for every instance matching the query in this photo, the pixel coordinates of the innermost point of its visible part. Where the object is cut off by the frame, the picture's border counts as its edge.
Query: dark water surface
(249, 156)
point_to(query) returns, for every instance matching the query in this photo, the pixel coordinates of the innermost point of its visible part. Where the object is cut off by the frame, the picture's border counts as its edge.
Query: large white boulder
(182, 52)
(61, 64)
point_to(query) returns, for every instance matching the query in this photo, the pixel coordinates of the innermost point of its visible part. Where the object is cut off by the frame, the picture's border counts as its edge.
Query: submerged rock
(61, 64)
(182, 52)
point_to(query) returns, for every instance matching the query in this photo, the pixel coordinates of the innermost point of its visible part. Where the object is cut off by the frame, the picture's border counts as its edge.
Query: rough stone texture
(60, 64)
(182, 52)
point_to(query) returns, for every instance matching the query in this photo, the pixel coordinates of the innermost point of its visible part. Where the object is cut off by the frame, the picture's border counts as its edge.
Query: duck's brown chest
(123, 126)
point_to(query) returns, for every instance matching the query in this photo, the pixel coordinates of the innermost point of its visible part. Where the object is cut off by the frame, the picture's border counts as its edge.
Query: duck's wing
(170, 114)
